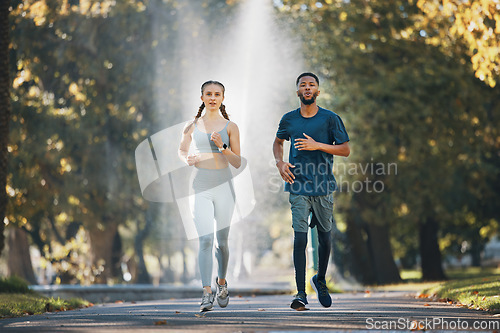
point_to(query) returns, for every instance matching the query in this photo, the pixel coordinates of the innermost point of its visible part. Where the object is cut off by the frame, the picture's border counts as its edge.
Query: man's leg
(325, 245)
(301, 206)
(299, 259)
(323, 210)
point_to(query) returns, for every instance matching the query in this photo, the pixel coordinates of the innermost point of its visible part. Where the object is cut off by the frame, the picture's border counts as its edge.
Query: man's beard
(308, 101)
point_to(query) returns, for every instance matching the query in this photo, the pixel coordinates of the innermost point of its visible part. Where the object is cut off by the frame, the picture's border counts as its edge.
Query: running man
(316, 135)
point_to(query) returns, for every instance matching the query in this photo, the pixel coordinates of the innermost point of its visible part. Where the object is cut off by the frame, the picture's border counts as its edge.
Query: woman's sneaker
(207, 301)
(222, 294)
(322, 290)
(299, 301)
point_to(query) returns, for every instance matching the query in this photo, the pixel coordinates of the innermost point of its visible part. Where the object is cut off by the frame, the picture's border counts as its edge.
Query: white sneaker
(222, 294)
(207, 301)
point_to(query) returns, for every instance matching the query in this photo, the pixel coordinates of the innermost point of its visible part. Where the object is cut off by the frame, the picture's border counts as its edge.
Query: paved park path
(350, 312)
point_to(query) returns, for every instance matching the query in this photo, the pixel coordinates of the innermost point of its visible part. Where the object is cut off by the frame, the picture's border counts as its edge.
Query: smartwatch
(224, 147)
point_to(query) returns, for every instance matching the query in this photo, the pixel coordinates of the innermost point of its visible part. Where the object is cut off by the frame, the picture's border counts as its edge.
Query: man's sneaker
(222, 294)
(299, 301)
(322, 290)
(207, 301)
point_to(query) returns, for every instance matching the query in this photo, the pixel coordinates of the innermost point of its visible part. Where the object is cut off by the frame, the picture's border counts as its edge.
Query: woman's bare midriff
(211, 161)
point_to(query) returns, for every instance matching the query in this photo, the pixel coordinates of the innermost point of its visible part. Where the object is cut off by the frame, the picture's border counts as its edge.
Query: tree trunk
(142, 271)
(475, 251)
(4, 111)
(102, 251)
(19, 260)
(379, 246)
(360, 264)
(339, 243)
(116, 257)
(430, 254)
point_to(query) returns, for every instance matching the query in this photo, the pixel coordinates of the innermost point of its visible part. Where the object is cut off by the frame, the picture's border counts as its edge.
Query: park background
(87, 81)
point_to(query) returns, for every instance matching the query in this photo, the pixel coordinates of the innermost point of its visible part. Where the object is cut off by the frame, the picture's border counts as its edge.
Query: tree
(89, 86)
(5, 110)
(407, 102)
(477, 23)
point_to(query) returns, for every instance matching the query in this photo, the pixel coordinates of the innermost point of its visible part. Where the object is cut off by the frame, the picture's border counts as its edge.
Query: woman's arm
(233, 153)
(184, 146)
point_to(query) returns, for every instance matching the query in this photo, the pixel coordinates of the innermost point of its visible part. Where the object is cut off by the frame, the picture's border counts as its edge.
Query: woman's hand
(192, 159)
(216, 138)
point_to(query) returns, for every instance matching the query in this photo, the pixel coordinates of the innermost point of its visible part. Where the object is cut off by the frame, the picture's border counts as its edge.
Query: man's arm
(310, 144)
(283, 167)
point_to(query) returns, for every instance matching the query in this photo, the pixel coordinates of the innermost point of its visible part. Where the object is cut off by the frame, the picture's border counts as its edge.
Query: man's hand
(306, 144)
(284, 169)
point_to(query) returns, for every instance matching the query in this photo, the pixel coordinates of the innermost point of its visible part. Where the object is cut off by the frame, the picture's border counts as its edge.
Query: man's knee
(324, 238)
(300, 240)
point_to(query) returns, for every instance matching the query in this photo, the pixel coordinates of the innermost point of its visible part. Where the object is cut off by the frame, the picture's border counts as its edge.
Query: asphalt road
(350, 312)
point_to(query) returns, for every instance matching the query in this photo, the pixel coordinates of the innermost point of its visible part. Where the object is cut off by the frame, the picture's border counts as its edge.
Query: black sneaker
(299, 301)
(322, 290)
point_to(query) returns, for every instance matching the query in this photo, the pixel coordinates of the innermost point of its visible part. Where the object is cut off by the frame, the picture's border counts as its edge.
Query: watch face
(224, 146)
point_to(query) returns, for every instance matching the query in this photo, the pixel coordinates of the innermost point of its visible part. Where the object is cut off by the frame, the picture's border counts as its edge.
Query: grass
(480, 292)
(17, 300)
(18, 305)
(473, 287)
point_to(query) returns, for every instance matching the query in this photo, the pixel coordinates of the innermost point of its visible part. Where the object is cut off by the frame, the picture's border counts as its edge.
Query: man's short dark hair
(307, 74)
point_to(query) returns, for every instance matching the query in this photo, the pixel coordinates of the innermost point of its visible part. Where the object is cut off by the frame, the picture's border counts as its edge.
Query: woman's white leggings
(213, 210)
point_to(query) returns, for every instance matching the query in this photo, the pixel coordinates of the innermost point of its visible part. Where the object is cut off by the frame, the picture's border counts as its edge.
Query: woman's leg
(224, 207)
(222, 252)
(204, 221)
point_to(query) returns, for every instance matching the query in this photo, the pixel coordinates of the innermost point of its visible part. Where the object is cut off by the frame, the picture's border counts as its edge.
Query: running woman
(217, 142)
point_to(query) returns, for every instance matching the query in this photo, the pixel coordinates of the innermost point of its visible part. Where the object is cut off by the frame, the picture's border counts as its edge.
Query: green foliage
(14, 284)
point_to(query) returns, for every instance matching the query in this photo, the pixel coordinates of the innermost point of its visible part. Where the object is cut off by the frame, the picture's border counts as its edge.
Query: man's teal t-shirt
(313, 169)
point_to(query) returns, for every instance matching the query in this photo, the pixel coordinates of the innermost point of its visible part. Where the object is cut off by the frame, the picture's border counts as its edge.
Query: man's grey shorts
(320, 206)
